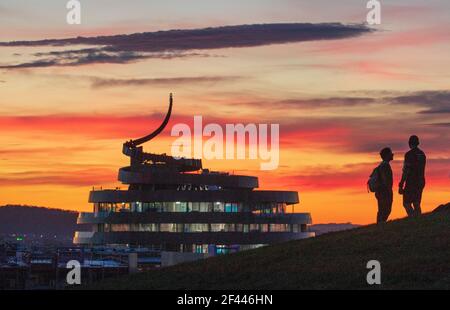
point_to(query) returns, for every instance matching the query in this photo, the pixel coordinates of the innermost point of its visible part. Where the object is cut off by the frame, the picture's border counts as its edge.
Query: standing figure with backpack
(380, 182)
(414, 177)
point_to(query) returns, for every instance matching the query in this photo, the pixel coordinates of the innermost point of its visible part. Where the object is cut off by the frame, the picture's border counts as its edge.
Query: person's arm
(405, 173)
(390, 179)
(383, 177)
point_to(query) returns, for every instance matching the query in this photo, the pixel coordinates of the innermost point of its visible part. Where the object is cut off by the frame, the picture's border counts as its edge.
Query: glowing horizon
(338, 101)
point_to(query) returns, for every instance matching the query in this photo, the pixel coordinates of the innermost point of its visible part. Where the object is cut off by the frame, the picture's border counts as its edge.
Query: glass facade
(217, 249)
(178, 206)
(200, 227)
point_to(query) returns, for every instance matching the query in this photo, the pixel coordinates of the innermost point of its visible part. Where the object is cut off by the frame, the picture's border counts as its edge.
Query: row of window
(196, 228)
(188, 207)
(217, 249)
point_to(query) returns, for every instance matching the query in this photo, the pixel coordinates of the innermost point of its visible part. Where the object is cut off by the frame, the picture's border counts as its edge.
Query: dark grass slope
(414, 254)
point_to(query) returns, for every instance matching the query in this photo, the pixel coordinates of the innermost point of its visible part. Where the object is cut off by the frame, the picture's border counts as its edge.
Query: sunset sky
(340, 93)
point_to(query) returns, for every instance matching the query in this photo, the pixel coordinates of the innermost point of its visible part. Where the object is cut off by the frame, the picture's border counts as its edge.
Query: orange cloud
(100, 126)
(84, 177)
(354, 176)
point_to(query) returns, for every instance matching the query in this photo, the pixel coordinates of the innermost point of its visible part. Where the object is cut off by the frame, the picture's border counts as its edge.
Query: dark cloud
(440, 124)
(433, 102)
(89, 56)
(133, 47)
(430, 102)
(211, 38)
(327, 102)
(105, 83)
(33, 64)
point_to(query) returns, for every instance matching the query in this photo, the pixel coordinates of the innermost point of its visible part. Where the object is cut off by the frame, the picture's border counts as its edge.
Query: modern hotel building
(175, 206)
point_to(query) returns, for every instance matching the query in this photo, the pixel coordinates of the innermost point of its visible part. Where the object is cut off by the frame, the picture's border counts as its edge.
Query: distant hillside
(37, 220)
(321, 229)
(414, 254)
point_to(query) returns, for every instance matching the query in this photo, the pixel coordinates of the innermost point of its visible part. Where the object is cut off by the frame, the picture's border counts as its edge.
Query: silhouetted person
(383, 192)
(414, 177)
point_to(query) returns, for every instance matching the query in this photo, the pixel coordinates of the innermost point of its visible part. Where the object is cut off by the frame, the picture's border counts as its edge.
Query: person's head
(386, 154)
(413, 141)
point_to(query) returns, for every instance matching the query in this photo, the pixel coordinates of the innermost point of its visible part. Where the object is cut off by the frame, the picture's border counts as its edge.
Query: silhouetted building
(186, 212)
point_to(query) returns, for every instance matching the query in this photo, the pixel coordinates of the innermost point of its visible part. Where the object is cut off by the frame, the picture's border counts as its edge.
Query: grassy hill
(414, 254)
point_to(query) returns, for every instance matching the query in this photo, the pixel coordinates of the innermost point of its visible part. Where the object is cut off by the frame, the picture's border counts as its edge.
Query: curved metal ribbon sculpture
(133, 149)
(157, 131)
